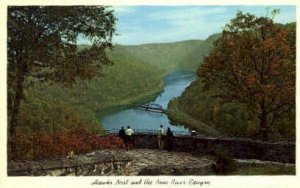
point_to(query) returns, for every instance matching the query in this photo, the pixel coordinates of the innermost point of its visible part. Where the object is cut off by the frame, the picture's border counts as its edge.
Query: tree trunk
(16, 106)
(264, 130)
(263, 122)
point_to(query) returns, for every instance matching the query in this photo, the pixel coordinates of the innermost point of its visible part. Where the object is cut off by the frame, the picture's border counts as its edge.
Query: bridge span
(151, 107)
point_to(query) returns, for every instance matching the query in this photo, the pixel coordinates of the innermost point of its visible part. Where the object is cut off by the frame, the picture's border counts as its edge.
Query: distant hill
(165, 56)
(169, 56)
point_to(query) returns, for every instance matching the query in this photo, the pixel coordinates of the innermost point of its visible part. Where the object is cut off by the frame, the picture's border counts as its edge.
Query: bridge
(152, 107)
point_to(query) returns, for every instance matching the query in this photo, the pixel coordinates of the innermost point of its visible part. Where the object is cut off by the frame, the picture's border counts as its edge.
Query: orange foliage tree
(41, 145)
(253, 63)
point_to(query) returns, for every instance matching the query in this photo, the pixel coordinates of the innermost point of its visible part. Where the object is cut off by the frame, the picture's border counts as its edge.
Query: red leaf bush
(38, 146)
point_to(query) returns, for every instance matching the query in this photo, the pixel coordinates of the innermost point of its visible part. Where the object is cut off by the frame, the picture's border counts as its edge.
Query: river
(145, 121)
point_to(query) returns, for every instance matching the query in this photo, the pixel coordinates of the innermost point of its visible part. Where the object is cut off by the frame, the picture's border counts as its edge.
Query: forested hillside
(202, 104)
(135, 75)
(168, 56)
(55, 107)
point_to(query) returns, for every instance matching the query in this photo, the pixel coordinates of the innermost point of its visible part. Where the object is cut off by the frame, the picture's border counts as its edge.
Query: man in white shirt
(129, 141)
(160, 134)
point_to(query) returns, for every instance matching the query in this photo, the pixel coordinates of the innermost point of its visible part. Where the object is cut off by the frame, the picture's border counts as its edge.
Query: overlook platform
(191, 156)
(112, 162)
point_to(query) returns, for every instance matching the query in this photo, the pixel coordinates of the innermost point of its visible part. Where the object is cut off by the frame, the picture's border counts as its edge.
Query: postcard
(160, 94)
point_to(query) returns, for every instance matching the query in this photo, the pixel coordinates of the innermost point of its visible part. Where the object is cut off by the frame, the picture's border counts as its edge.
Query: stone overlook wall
(118, 162)
(104, 162)
(236, 147)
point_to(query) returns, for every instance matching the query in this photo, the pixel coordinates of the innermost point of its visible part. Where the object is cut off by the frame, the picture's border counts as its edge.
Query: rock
(242, 163)
(107, 160)
(146, 160)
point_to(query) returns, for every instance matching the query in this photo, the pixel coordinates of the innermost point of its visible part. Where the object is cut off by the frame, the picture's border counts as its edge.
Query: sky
(158, 24)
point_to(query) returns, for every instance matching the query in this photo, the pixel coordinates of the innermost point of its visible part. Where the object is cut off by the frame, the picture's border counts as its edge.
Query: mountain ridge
(186, 54)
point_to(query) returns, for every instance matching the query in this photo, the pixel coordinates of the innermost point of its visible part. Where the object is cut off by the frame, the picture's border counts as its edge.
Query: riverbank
(178, 116)
(137, 100)
(174, 84)
(196, 105)
(136, 77)
(53, 108)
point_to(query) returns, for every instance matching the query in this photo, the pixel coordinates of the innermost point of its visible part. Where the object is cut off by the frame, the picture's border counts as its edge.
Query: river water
(146, 121)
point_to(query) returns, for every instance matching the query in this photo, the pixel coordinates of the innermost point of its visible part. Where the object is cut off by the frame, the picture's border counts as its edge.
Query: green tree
(42, 45)
(254, 63)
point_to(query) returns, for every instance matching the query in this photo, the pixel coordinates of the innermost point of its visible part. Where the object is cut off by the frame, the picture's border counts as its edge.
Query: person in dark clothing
(169, 140)
(122, 136)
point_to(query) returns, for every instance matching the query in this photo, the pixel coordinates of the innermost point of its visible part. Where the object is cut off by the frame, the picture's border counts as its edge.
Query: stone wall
(236, 147)
(118, 162)
(103, 163)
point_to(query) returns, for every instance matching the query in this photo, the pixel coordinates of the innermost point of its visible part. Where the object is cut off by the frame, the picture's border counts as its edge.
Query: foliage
(265, 170)
(253, 64)
(41, 145)
(198, 105)
(171, 56)
(231, 119)
(50, 115)
(42, 45)
(126, 82)
(134, 77)
(178, 116)
(224, 164)
(197, 109)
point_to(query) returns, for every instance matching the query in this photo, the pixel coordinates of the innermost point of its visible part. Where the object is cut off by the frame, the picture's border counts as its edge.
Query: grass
(266, 170)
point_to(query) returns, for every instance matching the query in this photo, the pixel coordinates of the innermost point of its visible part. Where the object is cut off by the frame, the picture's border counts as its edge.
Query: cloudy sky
(155, 24)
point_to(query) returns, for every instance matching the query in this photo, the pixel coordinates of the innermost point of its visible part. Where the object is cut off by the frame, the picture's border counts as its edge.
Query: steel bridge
(152, 107)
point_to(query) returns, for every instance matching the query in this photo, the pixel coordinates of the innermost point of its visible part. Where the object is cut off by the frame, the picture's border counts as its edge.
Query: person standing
(122, 136)
(194, 133)
(129, 132)
(160, 134)
(169, 140)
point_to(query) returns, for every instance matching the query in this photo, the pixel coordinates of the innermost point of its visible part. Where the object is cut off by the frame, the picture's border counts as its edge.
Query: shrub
(224, 164)
(42, 146)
